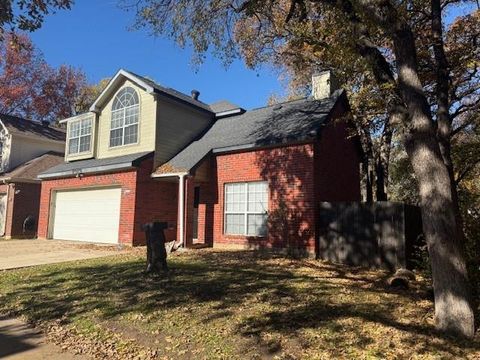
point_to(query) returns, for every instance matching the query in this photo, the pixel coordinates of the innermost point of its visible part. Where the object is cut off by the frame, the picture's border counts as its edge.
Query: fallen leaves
(227, 305)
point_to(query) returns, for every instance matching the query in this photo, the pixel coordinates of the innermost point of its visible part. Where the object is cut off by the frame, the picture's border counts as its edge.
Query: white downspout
(4, 225)
(181, 207)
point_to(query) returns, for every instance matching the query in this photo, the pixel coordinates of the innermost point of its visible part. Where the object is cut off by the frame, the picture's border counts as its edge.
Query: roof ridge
(18, 117)
(155, 83)
(334, 96)
(9, 117)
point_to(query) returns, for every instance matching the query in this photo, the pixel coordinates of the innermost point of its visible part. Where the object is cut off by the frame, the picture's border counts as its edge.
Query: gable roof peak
(150, 87)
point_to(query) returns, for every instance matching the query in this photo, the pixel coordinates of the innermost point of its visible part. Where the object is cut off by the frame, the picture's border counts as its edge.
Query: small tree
(30, 88)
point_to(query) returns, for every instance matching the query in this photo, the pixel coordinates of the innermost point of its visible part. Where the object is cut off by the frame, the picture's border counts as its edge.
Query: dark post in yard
(156, 253)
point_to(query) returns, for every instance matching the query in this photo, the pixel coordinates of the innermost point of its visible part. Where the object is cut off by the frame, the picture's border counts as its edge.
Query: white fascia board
(4, 127)
(233, 148)
(229, 112)
(77, 117)
(121, 73)
(178, 174)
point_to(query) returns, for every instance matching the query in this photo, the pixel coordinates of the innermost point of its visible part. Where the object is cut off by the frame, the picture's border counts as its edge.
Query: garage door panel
(87, 215)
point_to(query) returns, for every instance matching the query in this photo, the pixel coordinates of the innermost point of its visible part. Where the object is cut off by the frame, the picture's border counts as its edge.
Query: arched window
(124, 124)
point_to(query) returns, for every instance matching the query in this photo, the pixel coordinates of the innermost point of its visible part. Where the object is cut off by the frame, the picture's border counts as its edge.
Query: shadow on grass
(297, 300)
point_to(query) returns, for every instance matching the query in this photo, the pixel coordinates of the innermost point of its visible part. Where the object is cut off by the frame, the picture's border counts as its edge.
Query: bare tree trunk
(366, 142)
(453, 309)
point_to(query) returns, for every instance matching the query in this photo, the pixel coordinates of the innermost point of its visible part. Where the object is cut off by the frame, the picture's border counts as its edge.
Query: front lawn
(227, 305)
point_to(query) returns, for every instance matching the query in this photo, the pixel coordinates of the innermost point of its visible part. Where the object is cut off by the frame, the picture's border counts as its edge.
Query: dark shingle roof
(173, 93)
(278, 124)
(222, 106)
(94, 165)
(17, 125)
(32, 168)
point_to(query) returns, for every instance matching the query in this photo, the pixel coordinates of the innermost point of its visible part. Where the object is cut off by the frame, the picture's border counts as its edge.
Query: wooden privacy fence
(379, 234)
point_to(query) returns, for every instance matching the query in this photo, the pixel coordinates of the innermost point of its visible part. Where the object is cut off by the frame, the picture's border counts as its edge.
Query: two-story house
(218, 174)
(27, 148)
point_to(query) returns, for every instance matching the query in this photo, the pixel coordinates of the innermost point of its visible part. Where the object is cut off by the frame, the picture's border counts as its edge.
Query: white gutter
(181, 207)
(3, 230)
(229, 112)
(166, 175)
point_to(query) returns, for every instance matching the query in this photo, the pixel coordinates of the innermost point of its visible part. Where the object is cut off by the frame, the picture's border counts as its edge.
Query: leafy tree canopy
(27, 15)
(32, 89)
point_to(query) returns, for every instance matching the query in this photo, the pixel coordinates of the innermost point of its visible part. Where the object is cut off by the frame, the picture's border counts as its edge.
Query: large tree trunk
(453, 309)
(444, 121)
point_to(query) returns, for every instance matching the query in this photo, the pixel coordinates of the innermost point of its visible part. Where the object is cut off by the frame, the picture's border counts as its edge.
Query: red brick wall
(156, 201)
(289, 173)
(206, 207)
(23, 200)
(26, 201)
(299, 176)
(127, 180)
(337, 165)
(143, 200)
(189, 200)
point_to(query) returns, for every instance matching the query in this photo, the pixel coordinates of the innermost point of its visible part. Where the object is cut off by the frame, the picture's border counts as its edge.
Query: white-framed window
(246, 208)
(125, 115)
(80, 136)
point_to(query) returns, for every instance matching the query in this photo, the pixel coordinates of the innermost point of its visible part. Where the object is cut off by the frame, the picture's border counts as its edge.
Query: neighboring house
(27, 149)
(216, 173)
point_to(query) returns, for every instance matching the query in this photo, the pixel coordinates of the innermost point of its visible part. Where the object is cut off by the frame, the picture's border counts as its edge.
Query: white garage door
(87, 215)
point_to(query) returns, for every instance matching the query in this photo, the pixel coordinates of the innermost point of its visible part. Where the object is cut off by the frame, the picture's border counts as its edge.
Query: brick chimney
(324, 84)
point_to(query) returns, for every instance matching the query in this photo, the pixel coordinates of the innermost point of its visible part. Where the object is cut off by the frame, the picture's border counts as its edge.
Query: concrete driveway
(23, 253)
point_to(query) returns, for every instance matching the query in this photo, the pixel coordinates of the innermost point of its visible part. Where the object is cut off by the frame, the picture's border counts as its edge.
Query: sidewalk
(19, 341)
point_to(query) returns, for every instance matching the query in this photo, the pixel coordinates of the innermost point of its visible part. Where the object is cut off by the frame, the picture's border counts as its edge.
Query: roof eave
(21, 180)
(88, 170)
(166, 175)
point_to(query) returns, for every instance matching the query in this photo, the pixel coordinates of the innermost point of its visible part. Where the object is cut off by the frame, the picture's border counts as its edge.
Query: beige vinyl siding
(23, 149)
(146, 126)
(177, 126)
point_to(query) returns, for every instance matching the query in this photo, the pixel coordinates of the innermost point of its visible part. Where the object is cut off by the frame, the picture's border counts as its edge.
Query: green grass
(227, 305)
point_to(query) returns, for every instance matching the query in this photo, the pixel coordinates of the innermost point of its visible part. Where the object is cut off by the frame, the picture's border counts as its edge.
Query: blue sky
(94, 36)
